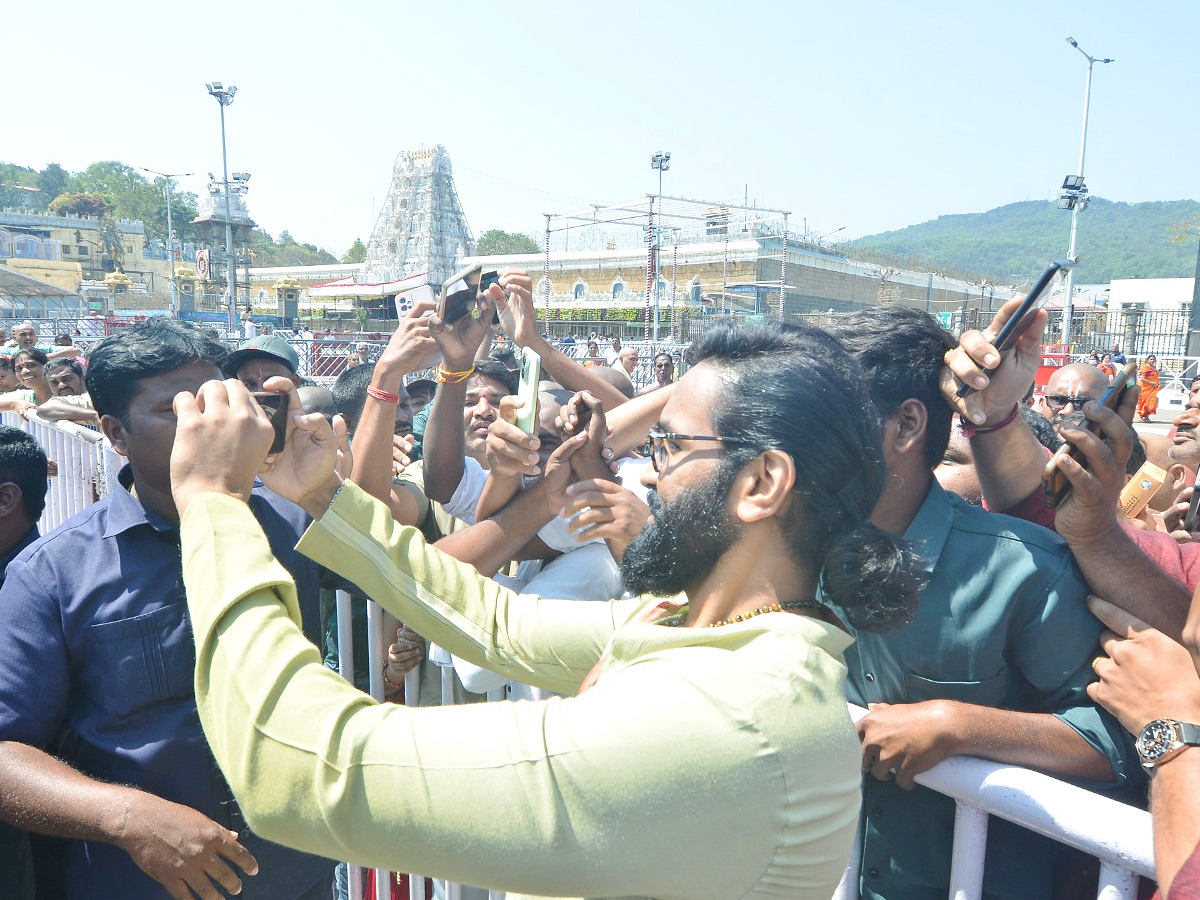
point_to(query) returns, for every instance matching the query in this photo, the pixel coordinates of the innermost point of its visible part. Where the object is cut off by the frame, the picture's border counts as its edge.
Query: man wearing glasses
(1069, 388)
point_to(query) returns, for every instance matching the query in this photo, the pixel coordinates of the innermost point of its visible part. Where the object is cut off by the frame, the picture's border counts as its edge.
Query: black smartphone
(275, 407)
(1041, 291)
(486, 280)
(1057, 487)
(1193, 510)
(460, 295)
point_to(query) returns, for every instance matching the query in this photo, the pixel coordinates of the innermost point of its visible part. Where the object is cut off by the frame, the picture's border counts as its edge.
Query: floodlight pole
(661, 161)
(1069, 306)
(170, 235)
(224, 96)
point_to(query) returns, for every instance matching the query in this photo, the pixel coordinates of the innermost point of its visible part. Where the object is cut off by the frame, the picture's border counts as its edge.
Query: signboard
(202, 265)
(945, 319)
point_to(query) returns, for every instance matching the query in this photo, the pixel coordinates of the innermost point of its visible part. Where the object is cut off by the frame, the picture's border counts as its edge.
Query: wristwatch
(1165, 739)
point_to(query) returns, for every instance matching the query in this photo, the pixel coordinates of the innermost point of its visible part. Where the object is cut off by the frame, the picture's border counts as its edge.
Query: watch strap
(1190, 734)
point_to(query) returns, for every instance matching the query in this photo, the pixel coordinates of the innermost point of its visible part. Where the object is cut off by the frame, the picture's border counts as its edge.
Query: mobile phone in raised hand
(1041, 292)
(460, 295)
(527, 390)
(275, 406)
(1057, 487)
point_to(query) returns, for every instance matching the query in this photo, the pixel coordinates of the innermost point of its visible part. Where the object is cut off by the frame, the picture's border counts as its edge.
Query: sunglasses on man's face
(1058, 401)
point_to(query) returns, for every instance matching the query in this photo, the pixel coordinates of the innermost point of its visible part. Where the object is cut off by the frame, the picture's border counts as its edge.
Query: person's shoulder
(73, 540)
(978, 521)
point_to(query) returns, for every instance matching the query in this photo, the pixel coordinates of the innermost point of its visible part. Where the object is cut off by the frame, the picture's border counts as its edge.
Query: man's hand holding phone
(1000, 379)
(1096, 471)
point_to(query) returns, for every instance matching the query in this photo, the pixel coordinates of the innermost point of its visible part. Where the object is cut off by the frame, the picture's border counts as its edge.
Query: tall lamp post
(224, 96)
(170, 234)
(1074, 194)
(661, 161)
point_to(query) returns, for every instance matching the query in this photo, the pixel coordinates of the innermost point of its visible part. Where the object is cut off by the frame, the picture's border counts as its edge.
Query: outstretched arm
(519, 319)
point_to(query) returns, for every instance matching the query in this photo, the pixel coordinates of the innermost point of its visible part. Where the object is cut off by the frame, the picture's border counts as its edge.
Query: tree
(357, 252)
(94, 205)
(131, 195)
(52, 180)
(495, 242)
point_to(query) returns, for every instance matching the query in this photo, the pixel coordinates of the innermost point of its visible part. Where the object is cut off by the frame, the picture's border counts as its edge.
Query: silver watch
(1164, 739)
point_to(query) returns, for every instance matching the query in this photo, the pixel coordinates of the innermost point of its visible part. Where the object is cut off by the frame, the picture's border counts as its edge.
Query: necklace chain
(774, 607)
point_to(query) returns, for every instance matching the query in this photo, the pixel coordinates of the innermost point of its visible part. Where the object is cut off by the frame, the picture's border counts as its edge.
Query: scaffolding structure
(668, 222)
(421, 227)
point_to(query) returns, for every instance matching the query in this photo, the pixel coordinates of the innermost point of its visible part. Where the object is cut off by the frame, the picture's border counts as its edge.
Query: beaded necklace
(678, 617)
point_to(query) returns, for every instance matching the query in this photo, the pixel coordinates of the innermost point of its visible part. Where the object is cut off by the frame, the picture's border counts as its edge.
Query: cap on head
(263, 347)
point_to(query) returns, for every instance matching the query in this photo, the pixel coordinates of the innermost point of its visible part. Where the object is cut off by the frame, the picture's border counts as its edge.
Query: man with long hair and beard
(708, 752)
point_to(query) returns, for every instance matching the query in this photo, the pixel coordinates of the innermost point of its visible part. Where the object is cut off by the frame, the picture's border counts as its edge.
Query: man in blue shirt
(100, 741)
(996, 661)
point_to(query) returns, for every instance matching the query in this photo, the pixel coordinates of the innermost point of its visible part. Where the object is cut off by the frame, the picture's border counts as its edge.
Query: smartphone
(1193, 511)
(486, 280)
(1057, 487)
(460, 294)
(527, 390)
(407, 300)
(1041, 291)
(275, 406)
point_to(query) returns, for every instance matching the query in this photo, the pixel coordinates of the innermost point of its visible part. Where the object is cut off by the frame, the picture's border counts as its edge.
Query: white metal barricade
(87, 466)
(1120, 836)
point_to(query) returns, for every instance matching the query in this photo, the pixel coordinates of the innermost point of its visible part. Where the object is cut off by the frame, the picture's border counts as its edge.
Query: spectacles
(658, 444)
(1058, 401)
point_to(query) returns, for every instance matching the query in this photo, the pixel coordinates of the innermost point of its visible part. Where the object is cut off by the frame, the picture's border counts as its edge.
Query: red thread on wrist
(381, 394)
(971, 430)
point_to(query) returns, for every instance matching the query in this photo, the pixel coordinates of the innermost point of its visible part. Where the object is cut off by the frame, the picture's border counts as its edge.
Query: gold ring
(1096, 661)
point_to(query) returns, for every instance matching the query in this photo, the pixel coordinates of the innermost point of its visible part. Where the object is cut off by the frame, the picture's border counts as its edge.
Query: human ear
(114, 430)
(763, 488)
(904, 429)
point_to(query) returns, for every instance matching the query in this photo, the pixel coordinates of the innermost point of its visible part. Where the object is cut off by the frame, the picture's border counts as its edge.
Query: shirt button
(874, 873)
(870, 676)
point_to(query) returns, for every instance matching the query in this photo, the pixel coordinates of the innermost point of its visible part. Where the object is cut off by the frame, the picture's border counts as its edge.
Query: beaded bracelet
(444, 376)
(382, 395)
(387, 681)
(970, 430)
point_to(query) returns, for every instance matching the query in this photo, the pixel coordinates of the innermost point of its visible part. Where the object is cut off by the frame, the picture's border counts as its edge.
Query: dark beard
(681, 546)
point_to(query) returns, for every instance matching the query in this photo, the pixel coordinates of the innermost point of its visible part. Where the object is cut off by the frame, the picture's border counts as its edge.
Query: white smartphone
(407, 300)
(527, 390)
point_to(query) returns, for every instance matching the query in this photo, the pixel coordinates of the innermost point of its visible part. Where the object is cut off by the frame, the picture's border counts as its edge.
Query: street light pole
(170, 235)
(661, 161)
(224, 96)
(1078, 192)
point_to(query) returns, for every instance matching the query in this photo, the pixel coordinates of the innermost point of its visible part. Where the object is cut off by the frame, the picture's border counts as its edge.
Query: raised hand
(517, 315)
(998, 384)
(600, 508)
(509, 450)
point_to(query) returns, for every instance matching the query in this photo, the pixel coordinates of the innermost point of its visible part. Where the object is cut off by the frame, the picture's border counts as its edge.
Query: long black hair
(797, 390)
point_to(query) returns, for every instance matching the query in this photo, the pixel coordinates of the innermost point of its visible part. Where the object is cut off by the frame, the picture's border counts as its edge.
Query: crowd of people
(672, 592)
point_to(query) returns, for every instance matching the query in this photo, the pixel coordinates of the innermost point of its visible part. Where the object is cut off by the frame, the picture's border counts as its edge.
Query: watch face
(1156, 740)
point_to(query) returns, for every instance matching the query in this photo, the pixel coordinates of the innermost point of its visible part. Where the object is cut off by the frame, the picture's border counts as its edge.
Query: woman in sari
(1148, 381)
(1106, 366)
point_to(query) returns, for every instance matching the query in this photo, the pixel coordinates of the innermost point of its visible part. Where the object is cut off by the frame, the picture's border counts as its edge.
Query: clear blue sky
(859, 113)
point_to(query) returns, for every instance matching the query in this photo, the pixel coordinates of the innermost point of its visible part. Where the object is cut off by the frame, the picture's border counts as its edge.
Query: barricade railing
(1118, 835)
(86, 465)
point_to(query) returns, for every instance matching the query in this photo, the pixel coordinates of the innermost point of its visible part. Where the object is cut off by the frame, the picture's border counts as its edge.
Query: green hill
(1116, 240)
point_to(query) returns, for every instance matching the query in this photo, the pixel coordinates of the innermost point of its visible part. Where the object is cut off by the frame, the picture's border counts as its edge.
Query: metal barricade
(1118, 835)
(86, 465)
